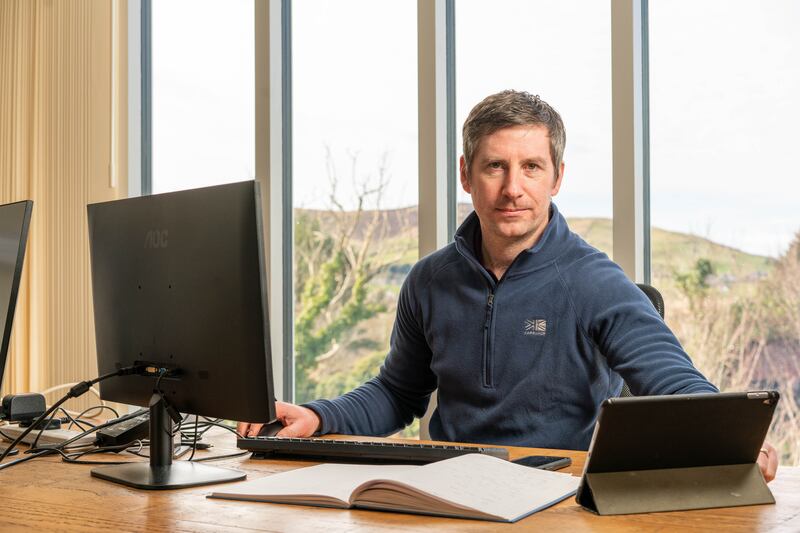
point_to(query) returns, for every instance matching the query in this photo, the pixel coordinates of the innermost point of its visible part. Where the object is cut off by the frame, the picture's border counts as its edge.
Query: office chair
(658, 302)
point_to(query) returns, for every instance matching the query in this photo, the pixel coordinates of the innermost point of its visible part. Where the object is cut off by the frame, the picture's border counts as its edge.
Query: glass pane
(562, 52)
(203, 93)
(725, 190)
(354, 184)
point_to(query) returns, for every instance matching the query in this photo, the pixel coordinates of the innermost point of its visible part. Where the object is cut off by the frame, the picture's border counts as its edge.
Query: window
(354, 166)
(203, 93)
(562, 52)
(724, 238)
(724, 192)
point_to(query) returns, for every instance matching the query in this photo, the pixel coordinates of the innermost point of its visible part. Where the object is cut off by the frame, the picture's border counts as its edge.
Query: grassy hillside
(672, 252)
(677, 252)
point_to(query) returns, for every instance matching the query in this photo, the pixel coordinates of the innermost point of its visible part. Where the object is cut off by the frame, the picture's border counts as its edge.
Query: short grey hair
(513, 108)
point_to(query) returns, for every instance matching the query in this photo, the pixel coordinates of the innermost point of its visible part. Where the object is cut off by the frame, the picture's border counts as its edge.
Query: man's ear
(559, 178)
(464, 177)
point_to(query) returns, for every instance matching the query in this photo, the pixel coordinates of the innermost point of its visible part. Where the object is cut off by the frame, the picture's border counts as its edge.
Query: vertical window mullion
(273, 151)
(437, 133)
(645, 128)
(146, 98)
(630, 136)
(450, 102)
(436, 123)
(287, 211)
(134, 98)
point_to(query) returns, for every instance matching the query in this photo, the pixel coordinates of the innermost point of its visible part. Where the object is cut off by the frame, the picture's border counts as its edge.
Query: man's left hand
(768, 461)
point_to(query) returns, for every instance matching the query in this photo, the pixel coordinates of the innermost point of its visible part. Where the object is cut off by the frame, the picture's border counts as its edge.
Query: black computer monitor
(179, 286)
(15, 220)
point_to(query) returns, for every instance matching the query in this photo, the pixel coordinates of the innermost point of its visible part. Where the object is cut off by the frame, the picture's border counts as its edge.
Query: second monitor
(179, 286)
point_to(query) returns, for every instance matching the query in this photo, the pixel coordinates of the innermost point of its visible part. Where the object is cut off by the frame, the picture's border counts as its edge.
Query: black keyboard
(361, 451)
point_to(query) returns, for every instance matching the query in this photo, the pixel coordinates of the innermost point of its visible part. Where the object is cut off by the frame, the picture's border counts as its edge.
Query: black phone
(544, 462)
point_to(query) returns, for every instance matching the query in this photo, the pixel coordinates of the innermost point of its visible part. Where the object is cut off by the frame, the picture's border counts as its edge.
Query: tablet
(668, 445)
(680, 430)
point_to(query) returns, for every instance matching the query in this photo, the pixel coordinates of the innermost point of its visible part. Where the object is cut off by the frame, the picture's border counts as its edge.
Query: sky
(723, 77)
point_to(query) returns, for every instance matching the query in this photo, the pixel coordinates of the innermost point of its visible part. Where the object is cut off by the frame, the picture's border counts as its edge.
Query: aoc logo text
(156, 238)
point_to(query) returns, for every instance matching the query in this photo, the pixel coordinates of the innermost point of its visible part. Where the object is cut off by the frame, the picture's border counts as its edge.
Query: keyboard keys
(366, 451)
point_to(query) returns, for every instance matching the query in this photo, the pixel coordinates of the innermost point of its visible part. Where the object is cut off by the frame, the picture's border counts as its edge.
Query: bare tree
(338, 254)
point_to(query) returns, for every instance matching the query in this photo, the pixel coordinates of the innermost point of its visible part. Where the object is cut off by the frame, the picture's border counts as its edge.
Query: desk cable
(81, 388)
(33, 453)
(187, 438)
(74, 392)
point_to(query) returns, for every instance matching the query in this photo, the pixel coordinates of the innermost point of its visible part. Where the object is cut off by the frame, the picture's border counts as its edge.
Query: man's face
(511, 181)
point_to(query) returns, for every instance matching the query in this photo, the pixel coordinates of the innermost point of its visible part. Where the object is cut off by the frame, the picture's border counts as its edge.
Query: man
(522, 327)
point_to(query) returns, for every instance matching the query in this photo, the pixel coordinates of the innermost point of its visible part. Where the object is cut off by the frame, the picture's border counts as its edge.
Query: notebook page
(331, 481)
(487, 484)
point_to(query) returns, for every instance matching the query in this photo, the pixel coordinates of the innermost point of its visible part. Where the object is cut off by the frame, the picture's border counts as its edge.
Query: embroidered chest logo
(535, 326)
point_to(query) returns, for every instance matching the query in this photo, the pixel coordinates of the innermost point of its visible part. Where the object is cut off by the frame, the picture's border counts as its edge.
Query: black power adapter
(125, 431)
(25, 408)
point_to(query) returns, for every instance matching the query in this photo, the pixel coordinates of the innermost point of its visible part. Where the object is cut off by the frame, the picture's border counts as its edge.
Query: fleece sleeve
(622, 322)
(400, 392)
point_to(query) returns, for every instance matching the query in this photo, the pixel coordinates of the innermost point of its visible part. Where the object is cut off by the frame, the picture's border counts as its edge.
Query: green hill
(677, 252)
(672, 252)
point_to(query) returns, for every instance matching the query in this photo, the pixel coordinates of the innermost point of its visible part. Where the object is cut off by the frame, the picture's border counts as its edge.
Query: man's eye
(532, 166)
(495, 164)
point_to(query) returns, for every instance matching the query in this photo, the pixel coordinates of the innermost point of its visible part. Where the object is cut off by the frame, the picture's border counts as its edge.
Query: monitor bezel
(24, 227)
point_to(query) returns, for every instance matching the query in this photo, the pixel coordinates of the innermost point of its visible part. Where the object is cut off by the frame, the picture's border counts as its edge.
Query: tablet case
(679, 452)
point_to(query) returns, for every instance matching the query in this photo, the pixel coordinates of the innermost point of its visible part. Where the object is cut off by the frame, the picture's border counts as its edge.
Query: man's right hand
(297, 422)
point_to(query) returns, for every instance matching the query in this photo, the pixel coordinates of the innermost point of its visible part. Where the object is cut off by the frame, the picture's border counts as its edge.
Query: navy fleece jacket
(524, 361)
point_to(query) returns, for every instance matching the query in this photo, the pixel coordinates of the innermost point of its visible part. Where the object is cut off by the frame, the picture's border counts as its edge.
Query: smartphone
(545, 462)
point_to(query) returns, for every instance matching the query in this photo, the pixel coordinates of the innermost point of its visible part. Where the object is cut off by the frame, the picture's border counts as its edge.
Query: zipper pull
(488, 310)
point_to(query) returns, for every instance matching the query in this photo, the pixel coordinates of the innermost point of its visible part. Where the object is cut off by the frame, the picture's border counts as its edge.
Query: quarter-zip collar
(543, 252)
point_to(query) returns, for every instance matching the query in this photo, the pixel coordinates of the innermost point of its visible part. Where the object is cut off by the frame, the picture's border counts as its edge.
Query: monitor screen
(178, 282)
(14, 223)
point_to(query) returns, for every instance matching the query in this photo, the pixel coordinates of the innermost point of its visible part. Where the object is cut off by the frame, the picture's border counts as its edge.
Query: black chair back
(655, 297)
(658, 302)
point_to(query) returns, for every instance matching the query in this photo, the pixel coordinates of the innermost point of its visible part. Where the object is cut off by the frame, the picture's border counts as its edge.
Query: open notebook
(469, 486)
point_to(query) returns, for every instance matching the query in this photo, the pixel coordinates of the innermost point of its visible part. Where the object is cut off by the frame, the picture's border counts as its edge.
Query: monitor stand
(161, 472)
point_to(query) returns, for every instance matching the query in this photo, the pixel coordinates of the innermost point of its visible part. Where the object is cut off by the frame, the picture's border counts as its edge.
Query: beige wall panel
(56, 134)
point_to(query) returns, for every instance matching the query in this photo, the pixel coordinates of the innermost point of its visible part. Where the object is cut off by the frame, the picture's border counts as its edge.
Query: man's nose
(512, 184)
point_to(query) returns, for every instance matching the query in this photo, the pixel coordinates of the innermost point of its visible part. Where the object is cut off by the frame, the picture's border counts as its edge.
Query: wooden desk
(47, 495)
